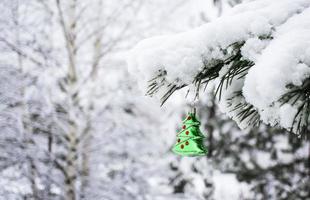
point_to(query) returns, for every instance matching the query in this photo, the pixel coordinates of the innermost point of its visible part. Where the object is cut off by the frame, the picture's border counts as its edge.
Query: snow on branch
(258, 55)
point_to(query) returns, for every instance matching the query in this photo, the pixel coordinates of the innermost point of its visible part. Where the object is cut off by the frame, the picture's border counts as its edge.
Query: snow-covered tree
(257, 54)
(80, 132)
(60, 106)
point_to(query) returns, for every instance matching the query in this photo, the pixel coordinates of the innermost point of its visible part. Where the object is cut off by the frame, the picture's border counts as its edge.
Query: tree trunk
(33, 179)
(71, 167)
(85, 166)
(69, 31)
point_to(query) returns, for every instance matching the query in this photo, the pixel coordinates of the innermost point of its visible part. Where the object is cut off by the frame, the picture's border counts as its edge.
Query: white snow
(281, 59)
(227, 187)
(281, 63)
(253, 48)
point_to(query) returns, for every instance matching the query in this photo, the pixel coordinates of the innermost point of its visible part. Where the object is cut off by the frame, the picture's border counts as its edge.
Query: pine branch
(209, 72)
(238, 68)
(245, 111)
(299, 96)
(156, 83)
(159, 81)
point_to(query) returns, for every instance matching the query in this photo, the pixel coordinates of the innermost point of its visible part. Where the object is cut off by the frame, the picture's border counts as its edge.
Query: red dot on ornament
(186, 132)
(179, 140)
(184, 127)
(189, 118)
(186, 143)
(182, 146)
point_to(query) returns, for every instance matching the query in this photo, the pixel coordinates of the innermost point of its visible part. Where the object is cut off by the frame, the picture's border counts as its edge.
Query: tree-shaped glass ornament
(190, 139)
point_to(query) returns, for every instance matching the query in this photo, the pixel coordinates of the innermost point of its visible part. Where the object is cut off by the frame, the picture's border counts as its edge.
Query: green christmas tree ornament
(190, 139)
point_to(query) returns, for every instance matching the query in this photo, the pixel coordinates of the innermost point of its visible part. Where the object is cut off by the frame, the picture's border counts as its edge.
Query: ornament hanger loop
(193, 110)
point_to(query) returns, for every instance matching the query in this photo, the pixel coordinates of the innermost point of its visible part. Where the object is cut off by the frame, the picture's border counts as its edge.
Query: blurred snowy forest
(75, 125)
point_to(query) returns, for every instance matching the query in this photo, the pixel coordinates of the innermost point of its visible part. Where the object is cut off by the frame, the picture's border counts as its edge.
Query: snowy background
(75, 124)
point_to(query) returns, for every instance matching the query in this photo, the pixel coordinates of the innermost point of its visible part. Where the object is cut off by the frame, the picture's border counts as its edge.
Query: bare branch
(21, 53)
